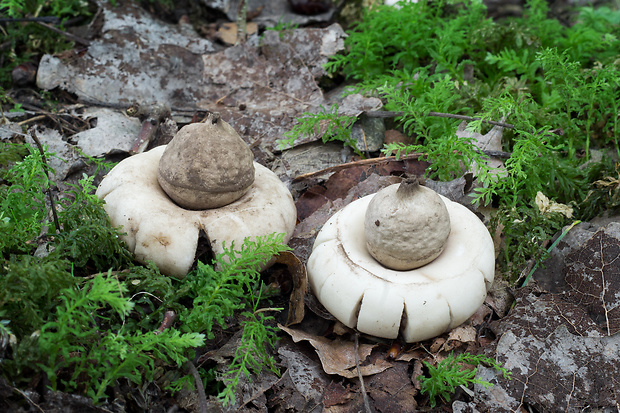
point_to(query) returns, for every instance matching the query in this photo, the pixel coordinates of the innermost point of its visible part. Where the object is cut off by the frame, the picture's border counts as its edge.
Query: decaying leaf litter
(558, 338)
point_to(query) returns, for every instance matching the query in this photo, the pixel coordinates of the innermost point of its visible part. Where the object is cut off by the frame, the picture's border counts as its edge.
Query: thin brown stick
(362, 162)
(389, 114)
(359, 374)
(45, 19)
(202, 397)
(33, 119)
(69, 36)
(169, 317)
(374, 161)
(48, 190)
(57, 118)
(32, 403)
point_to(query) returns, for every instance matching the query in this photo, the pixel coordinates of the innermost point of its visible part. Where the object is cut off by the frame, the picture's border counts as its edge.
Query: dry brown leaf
(546, 205)
(392, 391)
(455, 190)
(297, 271)
(338, 356)
(437, 345)
(457, 337)
(481, 316)
(340, 329)
(227, 32)
(464, 334)
(417, 372)
(306, 374)
(406, 356)
(335, 394)
(491, 141)
(500, 297)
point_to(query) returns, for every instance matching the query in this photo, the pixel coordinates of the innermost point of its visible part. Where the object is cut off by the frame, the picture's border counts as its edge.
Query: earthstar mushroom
(159, 230)
(418, 303)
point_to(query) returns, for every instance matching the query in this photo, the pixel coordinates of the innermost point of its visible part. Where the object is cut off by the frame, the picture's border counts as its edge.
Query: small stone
(369, 133)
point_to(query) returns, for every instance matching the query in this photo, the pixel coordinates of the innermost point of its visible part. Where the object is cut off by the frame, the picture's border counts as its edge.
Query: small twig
(359, 374)
(365, 143)
(90, 101)
(202, 397)
(265, 309)
(57, 118)
(362, 162)
(497, 154)
(177, 110)
(373, 161)
(388, 114)
(169, 317)
(32, 403)
(44, 19)
(49, 187)
(33, 119)
(69, 36)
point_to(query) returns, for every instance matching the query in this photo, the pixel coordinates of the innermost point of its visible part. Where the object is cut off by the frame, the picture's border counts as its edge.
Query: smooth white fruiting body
(406, 225)
(420, 303)
(158, 230)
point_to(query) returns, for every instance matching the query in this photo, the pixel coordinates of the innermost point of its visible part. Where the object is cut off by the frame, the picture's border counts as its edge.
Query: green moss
(559, 86)
(82, 313)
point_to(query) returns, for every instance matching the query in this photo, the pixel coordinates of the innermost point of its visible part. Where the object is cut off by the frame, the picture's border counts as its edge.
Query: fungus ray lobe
(386, 303)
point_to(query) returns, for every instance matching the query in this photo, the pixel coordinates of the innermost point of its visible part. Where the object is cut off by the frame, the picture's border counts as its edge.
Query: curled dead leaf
(305, 373)
(227, 32)
(297, 271)
(546, 206)
(338, 356)
(491, 141)
(457, 337)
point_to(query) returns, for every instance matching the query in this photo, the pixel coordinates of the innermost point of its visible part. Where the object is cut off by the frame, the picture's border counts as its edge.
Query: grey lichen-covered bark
(561, 342)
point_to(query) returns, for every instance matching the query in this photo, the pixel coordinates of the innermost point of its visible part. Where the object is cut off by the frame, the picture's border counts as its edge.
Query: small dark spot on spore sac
(377, 223)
